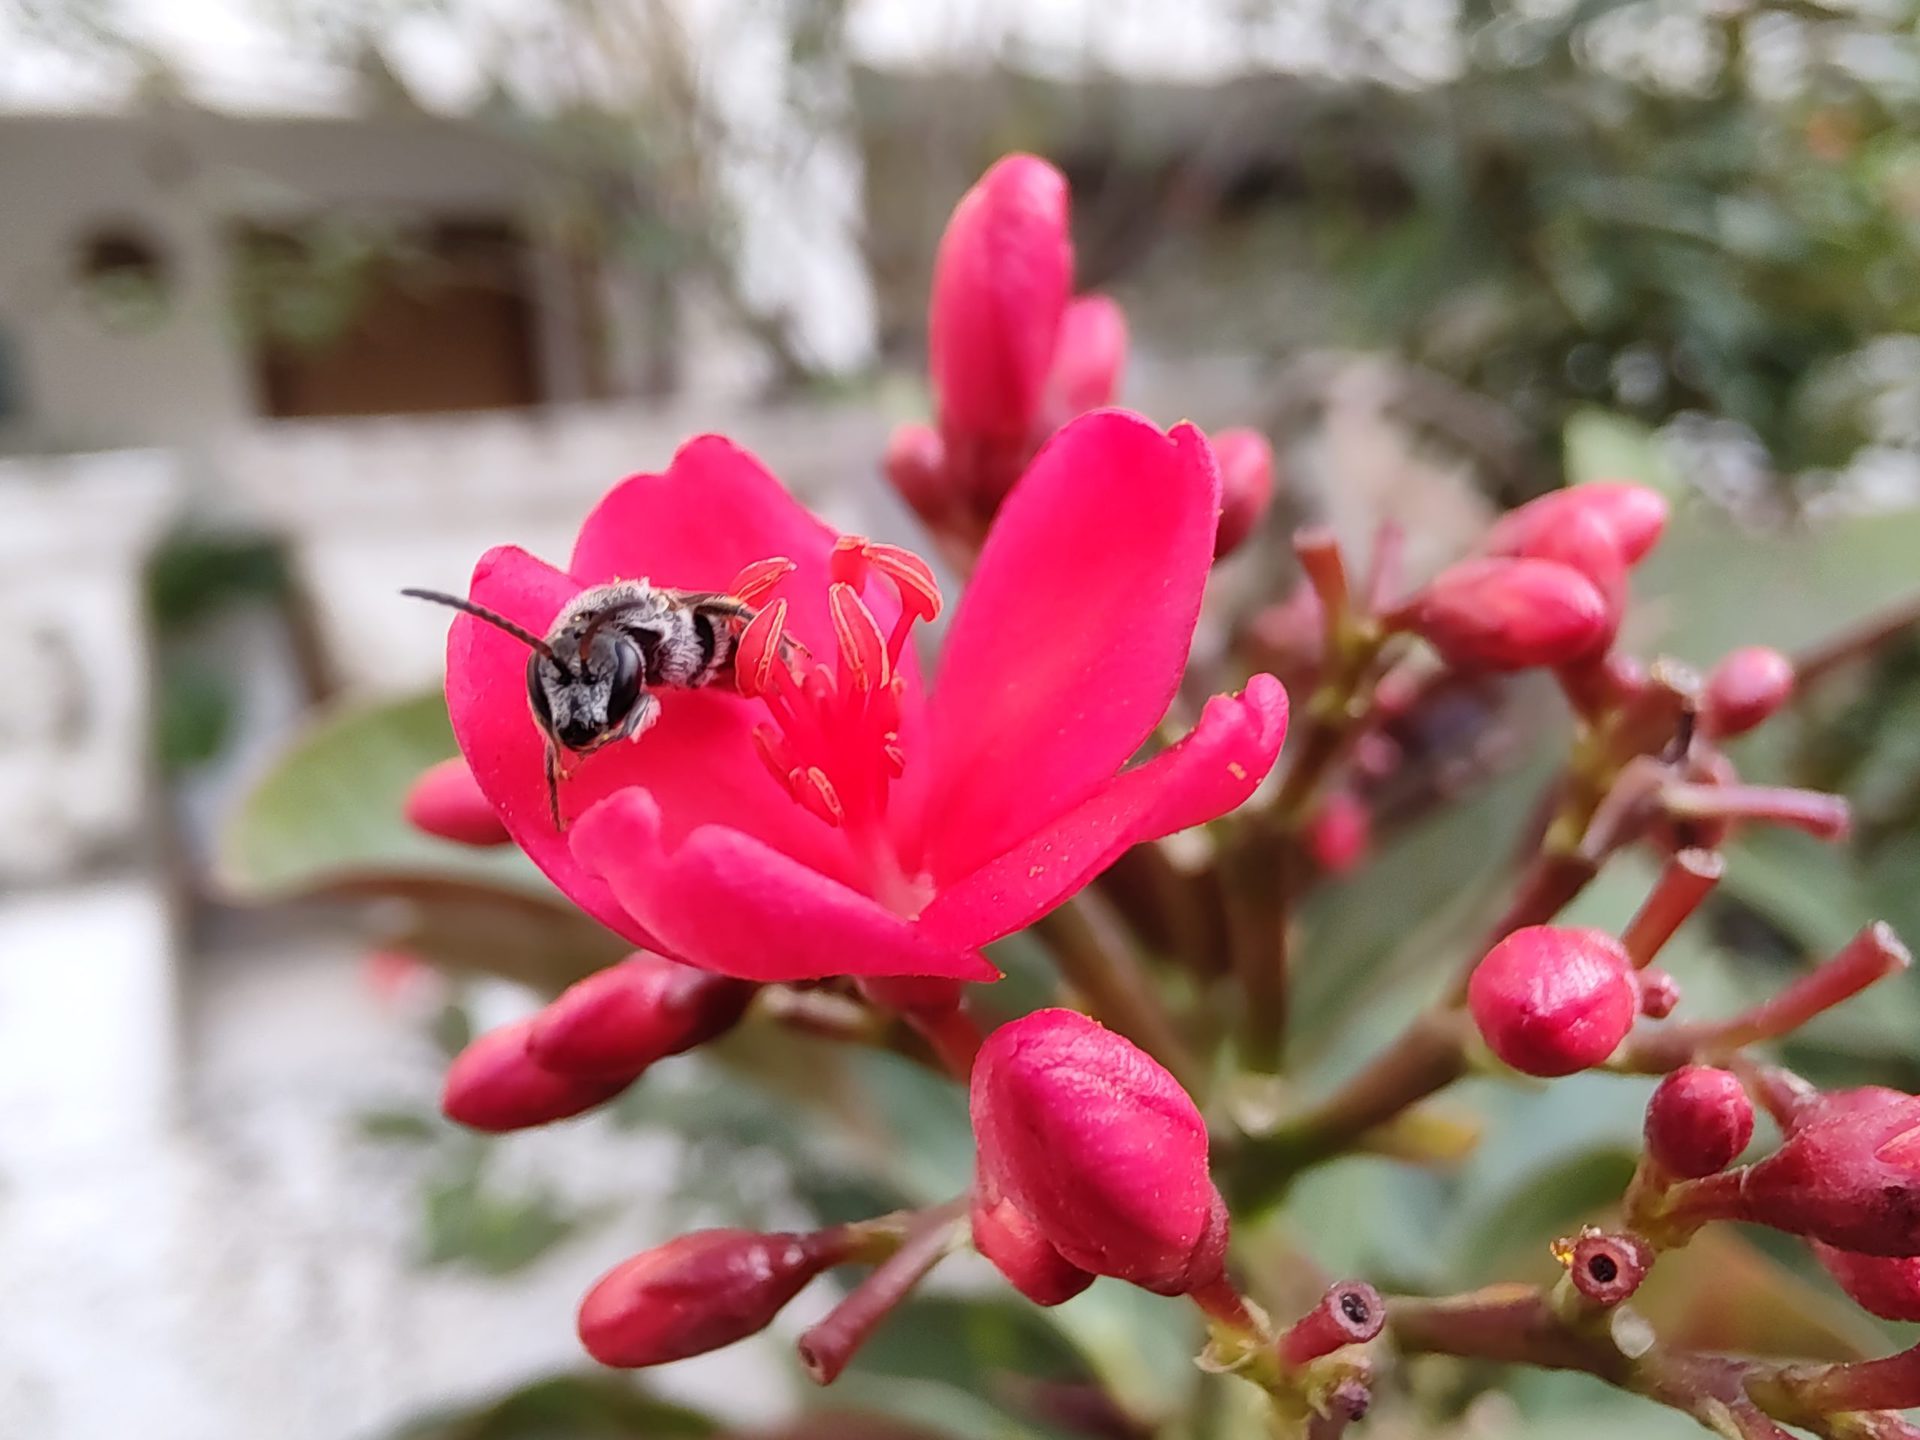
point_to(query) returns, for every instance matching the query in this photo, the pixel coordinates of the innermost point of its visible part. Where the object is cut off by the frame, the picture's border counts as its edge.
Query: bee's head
(584, 682)
(587, 703)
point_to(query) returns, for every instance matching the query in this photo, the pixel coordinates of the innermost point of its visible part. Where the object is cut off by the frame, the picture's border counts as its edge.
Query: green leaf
(1600, 445)
(326, 816)
(567, 1407)
(469, 1224)
(1141, 1346)
(1711, 586)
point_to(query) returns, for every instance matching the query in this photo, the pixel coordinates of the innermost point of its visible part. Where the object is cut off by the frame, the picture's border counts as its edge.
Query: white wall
(184, 177)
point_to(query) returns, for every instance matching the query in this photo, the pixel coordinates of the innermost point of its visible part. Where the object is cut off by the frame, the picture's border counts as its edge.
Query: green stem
(1097, 958)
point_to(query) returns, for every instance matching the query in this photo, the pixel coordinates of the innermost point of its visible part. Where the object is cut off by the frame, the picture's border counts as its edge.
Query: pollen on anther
(863, 650)
(756, 581)
(911, 575)
(759, 649)
(815, 791)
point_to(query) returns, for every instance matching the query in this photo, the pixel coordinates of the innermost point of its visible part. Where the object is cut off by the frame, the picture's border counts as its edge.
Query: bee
(590, 681)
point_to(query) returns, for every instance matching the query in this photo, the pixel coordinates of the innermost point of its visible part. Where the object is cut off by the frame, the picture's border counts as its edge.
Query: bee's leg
(553, 785)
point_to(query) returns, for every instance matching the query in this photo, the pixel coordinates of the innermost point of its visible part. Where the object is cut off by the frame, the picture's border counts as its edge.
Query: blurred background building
(303, 302)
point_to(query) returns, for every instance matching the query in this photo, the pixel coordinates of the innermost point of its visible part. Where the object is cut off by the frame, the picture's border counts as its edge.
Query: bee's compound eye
(537, 693)
(623, 689)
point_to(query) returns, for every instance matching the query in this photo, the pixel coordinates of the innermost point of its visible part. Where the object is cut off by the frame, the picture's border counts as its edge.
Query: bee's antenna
(480, 612)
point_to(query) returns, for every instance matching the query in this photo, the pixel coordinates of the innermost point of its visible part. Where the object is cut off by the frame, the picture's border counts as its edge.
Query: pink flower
(842, 820)
(1095, 1142)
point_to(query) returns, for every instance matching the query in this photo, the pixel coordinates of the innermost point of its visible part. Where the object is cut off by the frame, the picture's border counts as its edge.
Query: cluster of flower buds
(1551, 586)
(1089, 1149)
(590, 1043)
(1014, 355)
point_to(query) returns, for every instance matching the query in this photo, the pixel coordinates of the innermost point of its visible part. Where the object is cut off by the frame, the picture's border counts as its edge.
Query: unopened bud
(620, 1020)
(1551, 1000)
(1580, 539)
(496, 1086)
(697, 1293)
(1848, 1173)
(1097, 1143)
(1633, 514)
(1008, 1238)
(1350, 1313)
(446, 801)
(1000, 284)
(1340, 833)
(1510, 614)
(1246, 486)
(1698, 1121)
(1088, 359)
(916, 466)
(1747, 687)
(1883, 1285)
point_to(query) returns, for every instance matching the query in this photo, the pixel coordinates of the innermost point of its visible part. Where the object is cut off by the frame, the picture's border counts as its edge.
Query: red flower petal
(1208, 773)
(715, 511)
(723, 900)
(698, 759)
(1069, 643)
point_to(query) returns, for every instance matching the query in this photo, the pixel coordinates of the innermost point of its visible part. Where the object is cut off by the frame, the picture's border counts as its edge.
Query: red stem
(826, 1349)
(1689, 877)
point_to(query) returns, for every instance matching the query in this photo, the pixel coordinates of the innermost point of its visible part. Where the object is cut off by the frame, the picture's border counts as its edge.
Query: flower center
(833, 739)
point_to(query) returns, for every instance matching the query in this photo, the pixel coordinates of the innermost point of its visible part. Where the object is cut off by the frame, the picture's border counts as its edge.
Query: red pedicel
(1698, 1121)
(1552, 999)
(1097, 1143)
(697, 1293)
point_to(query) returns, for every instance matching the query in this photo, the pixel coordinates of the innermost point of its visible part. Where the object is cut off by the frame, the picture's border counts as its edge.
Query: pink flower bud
(1510, 614)
(1088, 359)
(1102, 1149)
(1883, 1285)
(1698, 1121)
(495, 1085)
(697, 1293)
(1580, 539)
(1009, 1238)
(1634, 514)
(1551, 999)
(1747, 687)
(1848, 1173)
(916, 465)
(1340, 833)
(1246, 486)
(1000, 284)
(446, 801)
(620, 1020)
